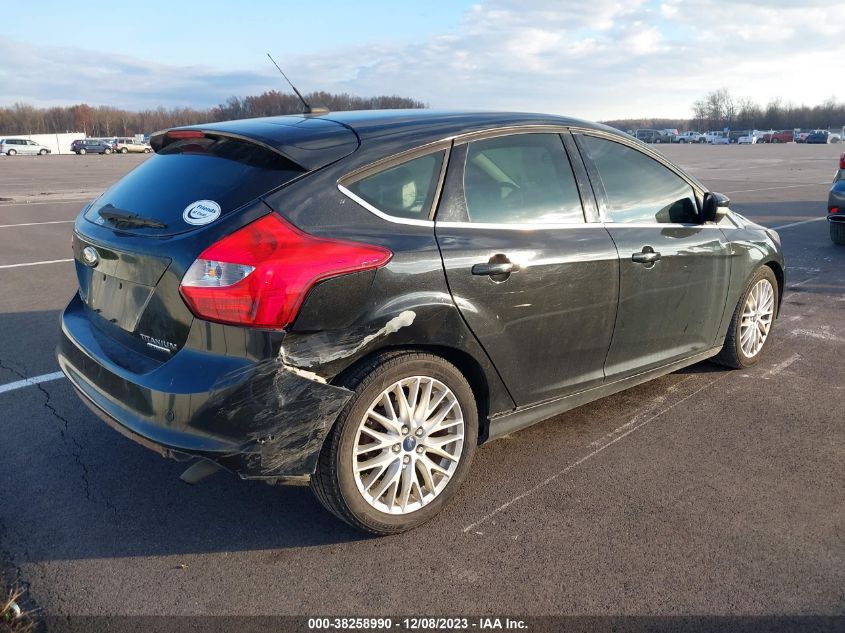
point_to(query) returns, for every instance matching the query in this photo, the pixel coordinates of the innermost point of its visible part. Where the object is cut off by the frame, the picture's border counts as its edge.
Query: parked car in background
(784, 136)
(12, 146)
(672, 133)
(716, 138)
(652, 136)
(747, 139)
(819, 137)
(362, 298)
(692, 137)
(91, 146)
(836, 205)
(125, 145)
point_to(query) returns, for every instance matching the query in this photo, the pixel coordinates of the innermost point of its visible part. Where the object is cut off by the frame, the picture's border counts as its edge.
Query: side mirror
(715, 206)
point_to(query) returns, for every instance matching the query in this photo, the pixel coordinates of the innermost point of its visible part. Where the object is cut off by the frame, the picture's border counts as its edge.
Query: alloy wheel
(757, 315)
(408, 445)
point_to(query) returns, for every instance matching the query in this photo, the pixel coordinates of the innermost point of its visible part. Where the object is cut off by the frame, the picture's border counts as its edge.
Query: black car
(383, 291)
(817, 138)
(90, 146)
(836, 205)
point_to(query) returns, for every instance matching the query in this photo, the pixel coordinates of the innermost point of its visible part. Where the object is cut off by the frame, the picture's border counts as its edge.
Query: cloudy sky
(596, 59)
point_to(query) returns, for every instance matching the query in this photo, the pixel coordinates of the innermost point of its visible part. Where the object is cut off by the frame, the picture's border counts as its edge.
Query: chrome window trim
(384, 164)
(573, 225)
(382, 214)
(518, 227)
(512, 130)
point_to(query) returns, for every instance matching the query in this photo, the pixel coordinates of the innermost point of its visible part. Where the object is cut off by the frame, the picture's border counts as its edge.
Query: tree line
(104, 121)
(720, 109)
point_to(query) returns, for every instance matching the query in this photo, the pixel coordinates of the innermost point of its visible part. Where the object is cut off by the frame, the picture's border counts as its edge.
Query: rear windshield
(228, 172)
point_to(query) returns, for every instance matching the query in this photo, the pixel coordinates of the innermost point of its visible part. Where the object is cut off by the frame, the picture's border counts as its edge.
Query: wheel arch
(777, 269)
(465, 363)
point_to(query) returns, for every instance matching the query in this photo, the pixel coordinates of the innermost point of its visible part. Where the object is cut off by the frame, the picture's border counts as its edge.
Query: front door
(674, 270)
(536, 283)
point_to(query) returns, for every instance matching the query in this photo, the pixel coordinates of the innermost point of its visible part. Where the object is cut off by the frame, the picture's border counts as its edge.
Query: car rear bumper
(257, 419)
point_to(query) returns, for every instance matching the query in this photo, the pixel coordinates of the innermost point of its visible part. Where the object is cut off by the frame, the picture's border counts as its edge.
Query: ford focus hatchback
(362, 299)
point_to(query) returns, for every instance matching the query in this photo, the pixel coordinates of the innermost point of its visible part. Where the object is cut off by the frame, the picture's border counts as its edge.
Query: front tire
(837, 232)
(107, 151)
(82, 152)
(123, 150)
(42, 152)
(752, 321)
(402, 445)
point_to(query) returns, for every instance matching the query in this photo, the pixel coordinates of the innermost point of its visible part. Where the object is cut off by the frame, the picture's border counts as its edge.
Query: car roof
(316, 140)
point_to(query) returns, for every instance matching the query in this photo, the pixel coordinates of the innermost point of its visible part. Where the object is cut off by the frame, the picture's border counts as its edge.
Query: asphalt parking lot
(704, 492)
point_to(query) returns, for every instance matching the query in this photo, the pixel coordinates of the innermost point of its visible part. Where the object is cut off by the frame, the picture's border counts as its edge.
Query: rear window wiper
(123, 219)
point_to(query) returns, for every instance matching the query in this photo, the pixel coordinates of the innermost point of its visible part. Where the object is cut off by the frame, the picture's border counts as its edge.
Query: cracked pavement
(726, 498)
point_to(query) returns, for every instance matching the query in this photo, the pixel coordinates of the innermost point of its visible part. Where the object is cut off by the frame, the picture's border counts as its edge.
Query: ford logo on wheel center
(201, 212)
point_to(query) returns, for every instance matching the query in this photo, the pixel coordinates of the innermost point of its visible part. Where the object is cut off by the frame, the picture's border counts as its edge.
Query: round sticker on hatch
(201, 212)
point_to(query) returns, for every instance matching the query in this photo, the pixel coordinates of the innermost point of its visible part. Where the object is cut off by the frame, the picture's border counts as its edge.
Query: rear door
(674, 270)
(535, 281)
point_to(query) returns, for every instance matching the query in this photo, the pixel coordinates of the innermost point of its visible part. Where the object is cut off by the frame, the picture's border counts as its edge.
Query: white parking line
(9, 226)
(51, 261)
(560, 473)
(27, 382)
(776, 369)
(791, 224)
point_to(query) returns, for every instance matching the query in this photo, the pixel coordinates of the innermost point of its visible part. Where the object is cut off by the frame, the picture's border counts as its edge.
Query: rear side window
(518, 179)
(405, 191)
(227, 171)
(638, 188)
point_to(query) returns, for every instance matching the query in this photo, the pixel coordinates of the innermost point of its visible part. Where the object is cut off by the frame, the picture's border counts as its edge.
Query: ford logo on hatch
(90, 257)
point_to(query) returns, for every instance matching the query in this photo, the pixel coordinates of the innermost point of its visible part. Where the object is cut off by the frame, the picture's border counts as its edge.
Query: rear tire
(739, 349)
(123, 150)
(374, 424)
(11, 152)
(837, 232)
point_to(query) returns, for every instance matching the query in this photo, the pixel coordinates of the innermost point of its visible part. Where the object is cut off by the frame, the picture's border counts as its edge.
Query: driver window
(638, 188)
(521, 179)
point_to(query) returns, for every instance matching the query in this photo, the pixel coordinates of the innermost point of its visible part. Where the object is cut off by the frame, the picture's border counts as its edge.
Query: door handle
(647, 256)
(491, 269)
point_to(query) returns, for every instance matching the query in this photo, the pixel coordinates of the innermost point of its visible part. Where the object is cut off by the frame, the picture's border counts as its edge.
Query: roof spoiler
(309, 142)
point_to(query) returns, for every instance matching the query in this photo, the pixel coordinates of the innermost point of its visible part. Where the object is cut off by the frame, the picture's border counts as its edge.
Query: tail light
(834, 210)
(259, 275)
(842, 162)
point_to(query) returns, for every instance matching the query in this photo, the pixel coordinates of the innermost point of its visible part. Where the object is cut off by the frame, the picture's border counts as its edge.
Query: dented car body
(543, 296)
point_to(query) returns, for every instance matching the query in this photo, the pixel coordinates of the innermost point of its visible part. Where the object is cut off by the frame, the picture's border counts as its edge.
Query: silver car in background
(12, 146)
(124, 145)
